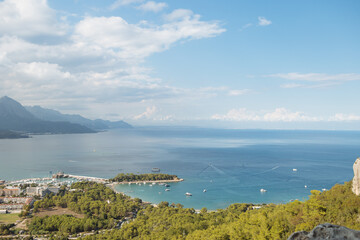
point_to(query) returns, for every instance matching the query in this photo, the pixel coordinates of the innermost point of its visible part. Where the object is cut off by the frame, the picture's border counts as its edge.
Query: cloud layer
(95, 59)
(279, 115)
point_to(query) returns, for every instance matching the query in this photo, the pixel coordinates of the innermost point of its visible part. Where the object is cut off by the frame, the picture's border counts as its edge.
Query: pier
(86, 178)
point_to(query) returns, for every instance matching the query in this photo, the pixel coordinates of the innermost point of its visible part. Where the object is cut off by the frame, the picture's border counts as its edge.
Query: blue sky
(238, 64)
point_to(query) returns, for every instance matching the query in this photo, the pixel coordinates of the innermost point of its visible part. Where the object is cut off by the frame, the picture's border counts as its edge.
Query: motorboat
(155, 169)
(263, 190)
(188, 194)
(166, 190)
(294, 170)
(204, 190)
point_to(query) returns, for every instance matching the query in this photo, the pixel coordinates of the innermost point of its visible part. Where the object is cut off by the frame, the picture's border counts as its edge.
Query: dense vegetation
(6, 229)
(241, 221)
(102, 209)
(130, 177)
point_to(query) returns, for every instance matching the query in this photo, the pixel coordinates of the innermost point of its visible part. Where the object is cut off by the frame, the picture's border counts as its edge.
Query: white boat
(204, 190)
(263, 190)
(324, 189)
(155, 169)
(305, 186)
(166, 190)
(294, 170)
(188, 194)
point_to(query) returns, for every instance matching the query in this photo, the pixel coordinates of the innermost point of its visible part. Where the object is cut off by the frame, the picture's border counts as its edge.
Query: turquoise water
(232, 165)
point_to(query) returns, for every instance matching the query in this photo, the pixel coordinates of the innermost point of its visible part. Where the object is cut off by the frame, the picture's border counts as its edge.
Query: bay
(232, 165)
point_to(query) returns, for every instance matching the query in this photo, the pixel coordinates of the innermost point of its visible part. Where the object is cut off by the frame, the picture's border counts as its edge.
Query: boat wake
(269, 170)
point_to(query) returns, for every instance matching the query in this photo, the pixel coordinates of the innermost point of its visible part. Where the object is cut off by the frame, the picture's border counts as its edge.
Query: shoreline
(149, 181)
(113, 184)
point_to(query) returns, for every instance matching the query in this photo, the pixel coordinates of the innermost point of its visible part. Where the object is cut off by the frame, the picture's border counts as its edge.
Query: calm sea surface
(232, 165)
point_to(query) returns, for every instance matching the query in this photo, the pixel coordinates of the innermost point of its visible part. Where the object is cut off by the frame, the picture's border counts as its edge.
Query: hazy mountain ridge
(14, 117)
(56, 116)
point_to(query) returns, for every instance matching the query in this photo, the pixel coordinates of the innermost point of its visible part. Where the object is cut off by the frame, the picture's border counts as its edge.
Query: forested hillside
(240, 221)
(104, 209)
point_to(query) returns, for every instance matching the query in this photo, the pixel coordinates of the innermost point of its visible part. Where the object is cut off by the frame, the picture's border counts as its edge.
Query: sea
(232, 166)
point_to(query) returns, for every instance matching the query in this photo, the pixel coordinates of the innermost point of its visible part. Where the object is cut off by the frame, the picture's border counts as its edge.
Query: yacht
(188, 194)
(155, 169)
(263, 190)
(204, 190)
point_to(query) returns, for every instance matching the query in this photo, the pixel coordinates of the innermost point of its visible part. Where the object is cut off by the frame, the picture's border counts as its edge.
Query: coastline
(150, 181)
(112, 187)
(113, 184)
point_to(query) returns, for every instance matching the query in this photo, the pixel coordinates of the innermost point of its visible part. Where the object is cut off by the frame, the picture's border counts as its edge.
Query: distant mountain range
(16, 118)
(55, 116)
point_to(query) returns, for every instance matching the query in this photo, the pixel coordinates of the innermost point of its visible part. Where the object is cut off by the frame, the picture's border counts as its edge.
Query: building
(41, 191)
(9, 192)
(15, 203)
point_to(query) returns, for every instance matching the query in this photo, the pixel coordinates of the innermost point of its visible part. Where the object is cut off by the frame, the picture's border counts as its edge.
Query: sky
(232, 63)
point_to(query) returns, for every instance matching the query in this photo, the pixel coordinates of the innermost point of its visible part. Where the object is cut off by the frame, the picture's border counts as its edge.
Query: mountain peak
(10, 107)
(6, 98)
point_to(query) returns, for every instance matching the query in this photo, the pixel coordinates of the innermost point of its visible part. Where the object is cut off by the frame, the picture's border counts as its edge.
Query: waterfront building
(8, 192)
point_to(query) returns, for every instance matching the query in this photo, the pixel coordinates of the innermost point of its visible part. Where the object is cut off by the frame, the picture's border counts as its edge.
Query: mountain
(14, 117)
(55, 116)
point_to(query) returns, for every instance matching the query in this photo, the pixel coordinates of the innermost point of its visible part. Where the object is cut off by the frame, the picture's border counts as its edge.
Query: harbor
(58, 178)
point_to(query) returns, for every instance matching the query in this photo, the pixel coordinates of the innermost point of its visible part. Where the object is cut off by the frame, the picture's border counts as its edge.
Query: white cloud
(150, 111)
(96, 60)
(314, 80)
(317, 77)
(284, 115)
(292, 85)
(278, 115)
(241, 114)
(238, 92)
(179, 14)
(344, 117)
(28, 18)
(263, 21)
(152, 6)
(120, 3)
(134, 41)
(246, 26)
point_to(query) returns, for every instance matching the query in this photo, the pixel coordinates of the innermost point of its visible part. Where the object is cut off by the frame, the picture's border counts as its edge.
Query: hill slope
(14, 117)
(55, 116)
